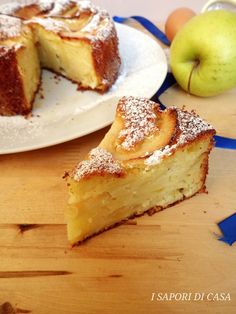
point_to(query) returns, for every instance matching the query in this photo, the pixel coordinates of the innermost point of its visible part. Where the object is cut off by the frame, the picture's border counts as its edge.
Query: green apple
(203, 53)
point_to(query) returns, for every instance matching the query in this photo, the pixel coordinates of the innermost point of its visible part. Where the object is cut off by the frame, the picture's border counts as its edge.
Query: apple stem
(195, 65)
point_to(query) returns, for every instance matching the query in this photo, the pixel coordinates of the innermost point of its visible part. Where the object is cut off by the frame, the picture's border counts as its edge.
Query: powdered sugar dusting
(190, 126)
(158, 155)
(139, 119)
(99, 27)
(9, 26)
(55, 7)
(85, 5)
(59, 7)
(51, 24)
(9, 8)
(44, 5)
(104, 30)
(88, 6)
(93, 23)
(100, 161)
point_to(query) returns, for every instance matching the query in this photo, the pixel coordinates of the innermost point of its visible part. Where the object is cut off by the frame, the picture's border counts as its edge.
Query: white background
(156, 10)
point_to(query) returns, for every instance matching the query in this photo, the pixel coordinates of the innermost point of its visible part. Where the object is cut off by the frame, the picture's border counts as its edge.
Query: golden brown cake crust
(12, 98)
(106, 59)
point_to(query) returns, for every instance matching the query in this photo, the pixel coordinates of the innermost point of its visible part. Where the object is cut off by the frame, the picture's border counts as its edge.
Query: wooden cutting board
(123, 269)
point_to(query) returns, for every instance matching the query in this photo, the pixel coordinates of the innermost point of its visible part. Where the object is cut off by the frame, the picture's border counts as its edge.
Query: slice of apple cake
(149, 159)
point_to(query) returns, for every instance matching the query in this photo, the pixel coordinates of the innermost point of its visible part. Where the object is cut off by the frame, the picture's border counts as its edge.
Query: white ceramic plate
(66, 113)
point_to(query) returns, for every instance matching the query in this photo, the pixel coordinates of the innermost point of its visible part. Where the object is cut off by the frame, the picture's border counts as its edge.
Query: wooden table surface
(174, 251)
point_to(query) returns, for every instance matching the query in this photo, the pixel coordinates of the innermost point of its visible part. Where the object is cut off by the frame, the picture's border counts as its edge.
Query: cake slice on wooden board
(149, 159)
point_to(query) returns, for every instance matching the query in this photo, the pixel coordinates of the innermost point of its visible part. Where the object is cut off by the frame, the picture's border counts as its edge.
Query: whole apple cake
(149, 159)
(73, 38)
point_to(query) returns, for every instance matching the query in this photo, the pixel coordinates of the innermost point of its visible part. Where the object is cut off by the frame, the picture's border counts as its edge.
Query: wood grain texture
(175, 250)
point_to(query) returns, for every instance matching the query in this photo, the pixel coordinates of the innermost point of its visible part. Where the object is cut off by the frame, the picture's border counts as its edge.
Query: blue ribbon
(225, 142)
(220, 141)
(228, 228)
(153, 29)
